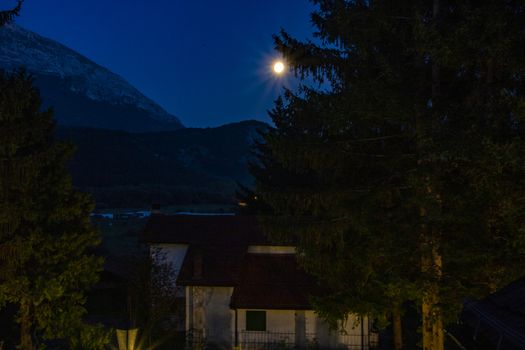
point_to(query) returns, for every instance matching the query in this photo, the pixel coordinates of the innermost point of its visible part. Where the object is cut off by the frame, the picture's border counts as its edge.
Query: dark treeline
(184, 166)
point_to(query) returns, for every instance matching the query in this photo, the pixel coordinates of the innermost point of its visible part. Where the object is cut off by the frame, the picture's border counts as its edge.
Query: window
(256, 321)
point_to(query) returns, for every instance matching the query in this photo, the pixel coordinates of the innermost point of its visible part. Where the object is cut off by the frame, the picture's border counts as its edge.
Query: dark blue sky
(206, 62)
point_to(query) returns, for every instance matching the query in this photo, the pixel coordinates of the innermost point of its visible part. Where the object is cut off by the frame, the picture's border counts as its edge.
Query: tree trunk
(431, 260)
(26, 341)
(432, 330)
(397, 329)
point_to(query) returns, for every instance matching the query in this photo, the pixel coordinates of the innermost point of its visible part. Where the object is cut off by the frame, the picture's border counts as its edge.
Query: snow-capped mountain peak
(74, 72)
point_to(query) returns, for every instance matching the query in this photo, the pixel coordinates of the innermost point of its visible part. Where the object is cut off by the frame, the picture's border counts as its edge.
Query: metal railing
(366, 341)
(270, 340)
(255, 340)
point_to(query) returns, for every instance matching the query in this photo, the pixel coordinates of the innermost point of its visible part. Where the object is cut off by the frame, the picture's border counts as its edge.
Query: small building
(239, 290)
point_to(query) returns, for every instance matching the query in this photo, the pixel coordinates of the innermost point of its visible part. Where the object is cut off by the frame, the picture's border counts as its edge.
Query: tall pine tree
(45, 232)
(401, 174)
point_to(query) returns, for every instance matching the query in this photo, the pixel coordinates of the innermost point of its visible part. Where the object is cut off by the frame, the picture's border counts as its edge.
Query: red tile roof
(273, 281)
(218, 265)
(217, 257)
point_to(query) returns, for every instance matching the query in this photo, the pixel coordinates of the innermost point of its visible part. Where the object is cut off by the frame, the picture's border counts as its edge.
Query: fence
(253, 340)
(250, 340)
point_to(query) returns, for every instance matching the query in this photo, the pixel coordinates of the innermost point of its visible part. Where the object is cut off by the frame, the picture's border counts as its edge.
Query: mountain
(82, 93)
(190, 165)
(130, 151)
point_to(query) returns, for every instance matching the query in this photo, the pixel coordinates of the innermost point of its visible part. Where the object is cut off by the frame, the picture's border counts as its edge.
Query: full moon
(278, 67)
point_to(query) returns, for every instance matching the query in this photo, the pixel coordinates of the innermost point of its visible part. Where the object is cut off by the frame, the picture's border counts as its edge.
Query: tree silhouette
(398, 165)
(8, 15)
(45, 231)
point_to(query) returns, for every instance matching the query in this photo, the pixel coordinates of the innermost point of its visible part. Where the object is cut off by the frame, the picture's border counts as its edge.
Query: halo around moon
(278, 67)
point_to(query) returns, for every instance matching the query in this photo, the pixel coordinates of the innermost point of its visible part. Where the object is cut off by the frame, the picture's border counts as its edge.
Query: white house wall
(208, 312)
(281, 321)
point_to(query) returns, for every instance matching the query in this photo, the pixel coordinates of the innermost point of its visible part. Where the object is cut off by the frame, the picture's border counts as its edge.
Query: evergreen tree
(401, 174)
(45, 232)
(8, 15)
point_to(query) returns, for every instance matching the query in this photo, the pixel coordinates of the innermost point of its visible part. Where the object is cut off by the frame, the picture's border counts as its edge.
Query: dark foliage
(45, 233)
(183, 166)
(401, 172)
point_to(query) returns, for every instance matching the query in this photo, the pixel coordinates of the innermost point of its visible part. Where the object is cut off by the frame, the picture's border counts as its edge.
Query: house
(239, 290)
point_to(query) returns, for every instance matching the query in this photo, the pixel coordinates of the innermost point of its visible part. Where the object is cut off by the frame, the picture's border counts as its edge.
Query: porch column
(189, 308)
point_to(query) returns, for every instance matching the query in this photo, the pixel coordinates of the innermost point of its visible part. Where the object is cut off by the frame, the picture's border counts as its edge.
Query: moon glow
(278, 67)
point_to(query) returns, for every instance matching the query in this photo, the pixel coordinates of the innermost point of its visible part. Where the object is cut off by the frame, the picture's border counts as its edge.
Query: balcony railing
(252, 340)
(269, 340)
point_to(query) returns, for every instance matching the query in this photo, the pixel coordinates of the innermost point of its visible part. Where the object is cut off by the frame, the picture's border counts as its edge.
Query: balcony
(272, 340)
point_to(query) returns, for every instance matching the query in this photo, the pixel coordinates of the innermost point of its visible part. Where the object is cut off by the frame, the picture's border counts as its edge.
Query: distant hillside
(82, 93)
(130, 151)
(182, 166)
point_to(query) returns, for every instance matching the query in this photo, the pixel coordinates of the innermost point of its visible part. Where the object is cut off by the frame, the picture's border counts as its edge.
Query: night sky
(207, 62)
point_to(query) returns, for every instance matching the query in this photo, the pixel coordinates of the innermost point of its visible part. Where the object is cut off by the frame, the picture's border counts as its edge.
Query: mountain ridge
(125, 157)
(103, 99)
